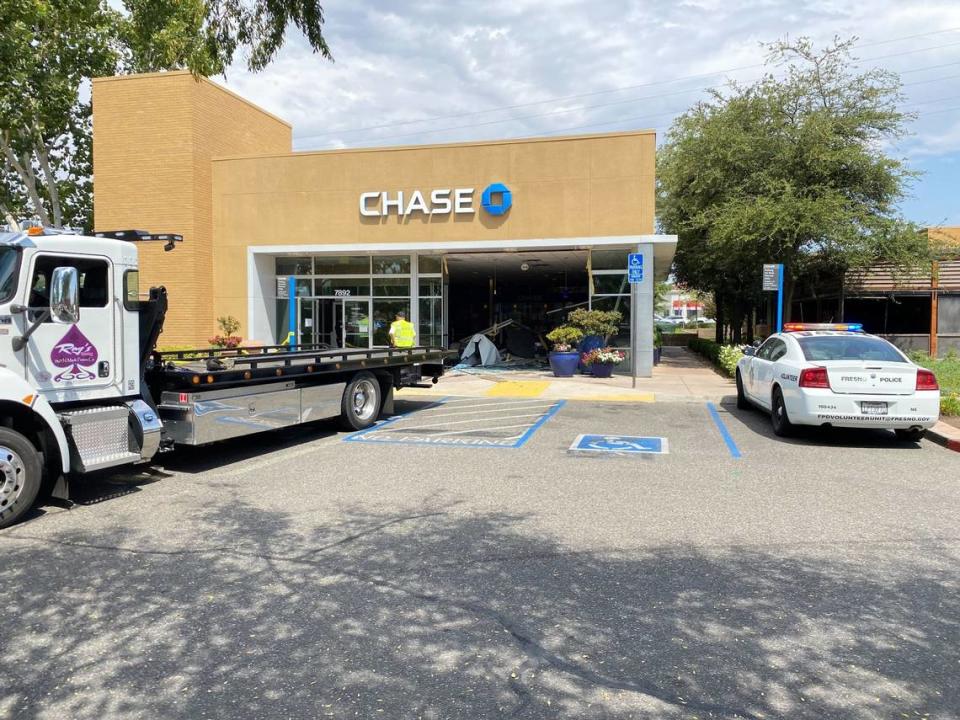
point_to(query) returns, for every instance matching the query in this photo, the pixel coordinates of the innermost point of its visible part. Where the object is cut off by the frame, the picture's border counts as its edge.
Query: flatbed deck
(223, 367)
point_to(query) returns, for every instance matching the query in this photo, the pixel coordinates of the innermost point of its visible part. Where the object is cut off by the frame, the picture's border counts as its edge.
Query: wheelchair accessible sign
(620, 445)
(635, 268)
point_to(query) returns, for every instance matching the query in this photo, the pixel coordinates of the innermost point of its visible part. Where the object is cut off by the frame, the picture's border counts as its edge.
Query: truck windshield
(9, 263)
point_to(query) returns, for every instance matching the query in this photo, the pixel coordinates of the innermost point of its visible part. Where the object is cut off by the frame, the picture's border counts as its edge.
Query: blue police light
(506, 199)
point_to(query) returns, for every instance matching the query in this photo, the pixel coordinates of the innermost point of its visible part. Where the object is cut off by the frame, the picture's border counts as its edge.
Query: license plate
(873, 408)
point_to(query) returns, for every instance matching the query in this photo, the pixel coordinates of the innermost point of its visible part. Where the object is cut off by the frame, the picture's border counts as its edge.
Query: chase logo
(496, 199)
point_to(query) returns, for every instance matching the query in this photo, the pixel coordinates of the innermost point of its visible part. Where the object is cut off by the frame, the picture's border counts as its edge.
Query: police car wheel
(360, 406)
(20, 476)
(782, 427)
(911, 435)
(742, 402)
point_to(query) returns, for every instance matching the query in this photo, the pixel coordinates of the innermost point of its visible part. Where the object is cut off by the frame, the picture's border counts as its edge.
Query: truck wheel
(361, 402)
(20, 476)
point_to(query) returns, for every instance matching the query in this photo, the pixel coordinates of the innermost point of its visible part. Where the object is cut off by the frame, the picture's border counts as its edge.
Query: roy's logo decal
(74, 352)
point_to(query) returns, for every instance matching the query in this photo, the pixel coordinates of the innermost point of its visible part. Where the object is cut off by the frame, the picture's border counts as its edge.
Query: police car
(835, 375)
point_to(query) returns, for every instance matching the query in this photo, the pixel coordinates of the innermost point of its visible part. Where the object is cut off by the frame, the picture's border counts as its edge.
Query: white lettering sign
(443, 201)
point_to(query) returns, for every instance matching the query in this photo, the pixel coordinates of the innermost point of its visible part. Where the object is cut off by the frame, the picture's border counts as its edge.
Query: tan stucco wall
(582, 186)
(153, 139)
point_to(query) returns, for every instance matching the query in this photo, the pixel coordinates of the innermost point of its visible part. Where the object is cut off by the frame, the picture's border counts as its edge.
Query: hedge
(724, 357)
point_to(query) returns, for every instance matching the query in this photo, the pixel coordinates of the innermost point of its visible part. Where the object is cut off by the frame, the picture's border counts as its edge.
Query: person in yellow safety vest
(402, 333)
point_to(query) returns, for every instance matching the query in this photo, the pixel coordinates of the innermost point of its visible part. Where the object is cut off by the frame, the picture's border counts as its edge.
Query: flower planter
(564, 364)
(601, 370)
(589, 342)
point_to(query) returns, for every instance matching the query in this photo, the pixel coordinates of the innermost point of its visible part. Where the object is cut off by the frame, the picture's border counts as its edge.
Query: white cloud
(397, 62)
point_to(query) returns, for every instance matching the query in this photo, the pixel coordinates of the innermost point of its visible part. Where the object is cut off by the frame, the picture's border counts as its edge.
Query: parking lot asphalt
(309, 573)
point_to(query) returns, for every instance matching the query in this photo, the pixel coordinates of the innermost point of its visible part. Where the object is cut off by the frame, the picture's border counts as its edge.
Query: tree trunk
(29, 180)
(50, 179)
(718, 301)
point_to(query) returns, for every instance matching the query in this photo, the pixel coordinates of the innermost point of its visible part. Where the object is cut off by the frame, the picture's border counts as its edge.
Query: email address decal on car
(877, 418)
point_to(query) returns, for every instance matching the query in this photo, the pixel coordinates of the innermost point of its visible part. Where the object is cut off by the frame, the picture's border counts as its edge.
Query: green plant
(564, 337)
(947, 371)
(725, 357)
(595, 322)
(229, 325)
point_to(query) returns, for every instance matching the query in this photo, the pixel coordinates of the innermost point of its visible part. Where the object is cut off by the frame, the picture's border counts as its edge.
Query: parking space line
(724, 433)
(524, 406)
(461, 422)
(536, 426)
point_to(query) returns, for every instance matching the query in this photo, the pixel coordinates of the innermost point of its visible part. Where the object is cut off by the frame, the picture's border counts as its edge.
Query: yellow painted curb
(518, 389)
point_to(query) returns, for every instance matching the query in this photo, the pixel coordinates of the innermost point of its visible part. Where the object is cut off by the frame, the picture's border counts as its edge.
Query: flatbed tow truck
(83, 387)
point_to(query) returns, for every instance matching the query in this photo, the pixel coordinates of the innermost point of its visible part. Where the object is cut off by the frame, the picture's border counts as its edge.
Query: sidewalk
(680, 377)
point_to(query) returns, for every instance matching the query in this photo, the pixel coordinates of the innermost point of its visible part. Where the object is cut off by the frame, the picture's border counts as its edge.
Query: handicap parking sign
(635, 267)
(620, 445)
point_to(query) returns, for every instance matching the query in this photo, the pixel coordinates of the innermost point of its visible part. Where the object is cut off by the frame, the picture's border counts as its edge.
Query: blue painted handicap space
(620, 445)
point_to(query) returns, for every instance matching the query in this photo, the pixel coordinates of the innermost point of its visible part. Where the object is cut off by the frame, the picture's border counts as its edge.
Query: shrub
(229, 325)
(947, 371)
(564, 337)
(595, 322)
(725, 357)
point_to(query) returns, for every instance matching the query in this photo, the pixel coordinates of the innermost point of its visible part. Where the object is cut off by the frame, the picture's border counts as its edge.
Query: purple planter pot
(601, 370)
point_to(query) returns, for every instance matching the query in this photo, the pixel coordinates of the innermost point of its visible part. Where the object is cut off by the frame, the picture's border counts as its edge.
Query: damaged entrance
(513, 299)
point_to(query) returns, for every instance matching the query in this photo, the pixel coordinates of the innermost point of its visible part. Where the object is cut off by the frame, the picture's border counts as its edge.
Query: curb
(945, 435)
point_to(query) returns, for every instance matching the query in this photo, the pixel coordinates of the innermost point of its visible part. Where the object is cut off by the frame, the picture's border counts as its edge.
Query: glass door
(306, 321)
(356, 323)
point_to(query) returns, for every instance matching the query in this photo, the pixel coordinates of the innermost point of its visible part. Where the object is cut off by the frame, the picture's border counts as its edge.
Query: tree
(789, 169)
(50, 49)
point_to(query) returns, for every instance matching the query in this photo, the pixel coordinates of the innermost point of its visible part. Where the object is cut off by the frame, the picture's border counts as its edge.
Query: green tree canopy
(50, 49)
(794, 169)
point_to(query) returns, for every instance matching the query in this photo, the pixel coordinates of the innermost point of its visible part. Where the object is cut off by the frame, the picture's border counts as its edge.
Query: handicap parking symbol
(620, 444)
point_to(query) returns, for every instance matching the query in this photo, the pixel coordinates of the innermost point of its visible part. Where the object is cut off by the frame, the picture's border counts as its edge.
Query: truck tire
(360, 406)
(20, 476)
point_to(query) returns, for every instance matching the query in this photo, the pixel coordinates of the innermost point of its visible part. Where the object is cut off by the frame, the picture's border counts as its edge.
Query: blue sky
(428, 71)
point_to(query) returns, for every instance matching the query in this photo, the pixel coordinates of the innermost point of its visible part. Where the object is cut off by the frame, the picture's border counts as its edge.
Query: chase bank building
(326, 247)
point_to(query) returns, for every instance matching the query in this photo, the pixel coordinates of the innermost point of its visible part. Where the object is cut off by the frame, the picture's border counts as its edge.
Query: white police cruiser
(835, 375)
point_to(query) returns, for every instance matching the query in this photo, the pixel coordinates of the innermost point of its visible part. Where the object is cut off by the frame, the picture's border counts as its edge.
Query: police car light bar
(841, 327)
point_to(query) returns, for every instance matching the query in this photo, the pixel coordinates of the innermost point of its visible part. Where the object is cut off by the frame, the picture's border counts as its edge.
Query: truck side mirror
(65, 296)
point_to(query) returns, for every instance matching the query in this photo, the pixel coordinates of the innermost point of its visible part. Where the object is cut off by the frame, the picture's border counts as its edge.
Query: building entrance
(336, 323)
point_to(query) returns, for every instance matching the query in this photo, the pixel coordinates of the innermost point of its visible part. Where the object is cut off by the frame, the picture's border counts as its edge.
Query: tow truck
(84, 388)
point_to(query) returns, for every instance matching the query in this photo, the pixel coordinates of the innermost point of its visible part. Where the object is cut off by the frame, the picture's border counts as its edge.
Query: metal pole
(292, 311)
(780, 298)
(634, 295)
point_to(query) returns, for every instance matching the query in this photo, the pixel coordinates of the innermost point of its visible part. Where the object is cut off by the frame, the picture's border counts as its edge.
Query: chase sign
(496, 199)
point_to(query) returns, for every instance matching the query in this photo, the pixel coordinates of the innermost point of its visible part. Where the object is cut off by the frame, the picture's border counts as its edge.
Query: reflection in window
(391, 265)
(294, 266)
(343, 265)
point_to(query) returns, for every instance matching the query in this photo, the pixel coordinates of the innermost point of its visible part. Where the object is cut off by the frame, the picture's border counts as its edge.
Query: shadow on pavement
(431, 615)
(758, 422)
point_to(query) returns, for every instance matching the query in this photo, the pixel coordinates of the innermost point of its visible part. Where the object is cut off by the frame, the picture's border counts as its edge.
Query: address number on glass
(341, 293)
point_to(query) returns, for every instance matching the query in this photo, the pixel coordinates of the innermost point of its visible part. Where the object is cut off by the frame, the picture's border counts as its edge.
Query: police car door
(750, 381)
(774, 349)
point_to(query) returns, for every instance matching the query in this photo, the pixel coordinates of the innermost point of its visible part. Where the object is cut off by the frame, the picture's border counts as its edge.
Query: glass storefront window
(343, 287)
(610, 284)
(622, 305)
(356, 328)
(391, 265)
(391, 287)
(384, 313)
(431, 322)
(428, 264)
(294, 266)
(343, 265)
(431, 287)
(609, 259)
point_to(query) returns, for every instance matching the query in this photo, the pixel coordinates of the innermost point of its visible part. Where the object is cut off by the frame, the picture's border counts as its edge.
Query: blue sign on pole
(620, 444)
(635, 268)
(292, 312)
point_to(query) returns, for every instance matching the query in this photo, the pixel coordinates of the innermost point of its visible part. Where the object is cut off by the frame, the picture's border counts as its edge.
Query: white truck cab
(82, 387)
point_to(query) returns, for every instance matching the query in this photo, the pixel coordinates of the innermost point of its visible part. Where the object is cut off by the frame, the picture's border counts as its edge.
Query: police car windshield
(848, 347)
(9, 261)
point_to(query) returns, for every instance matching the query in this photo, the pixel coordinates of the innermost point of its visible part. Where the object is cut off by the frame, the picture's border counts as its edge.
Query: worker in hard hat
(402, 333)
